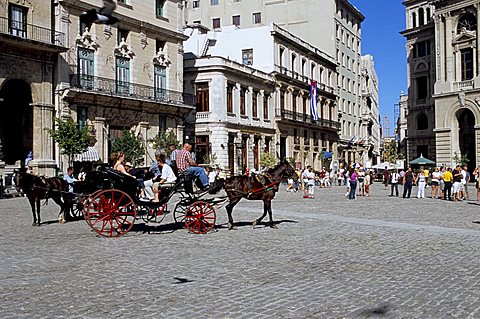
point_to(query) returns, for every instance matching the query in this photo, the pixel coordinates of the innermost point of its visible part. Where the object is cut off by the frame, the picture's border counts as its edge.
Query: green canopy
(421, 161)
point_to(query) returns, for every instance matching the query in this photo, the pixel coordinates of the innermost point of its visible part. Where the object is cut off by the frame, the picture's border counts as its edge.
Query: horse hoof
(255, 222)
(230, 227)
(34, 224)
(274, 226)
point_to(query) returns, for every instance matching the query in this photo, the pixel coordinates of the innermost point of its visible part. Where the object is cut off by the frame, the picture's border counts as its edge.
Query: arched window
(467, 22)
(421, 17)
(414, 20)
(422, 122)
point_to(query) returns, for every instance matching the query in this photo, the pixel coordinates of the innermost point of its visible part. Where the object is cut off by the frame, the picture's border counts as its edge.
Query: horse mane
(277, 166)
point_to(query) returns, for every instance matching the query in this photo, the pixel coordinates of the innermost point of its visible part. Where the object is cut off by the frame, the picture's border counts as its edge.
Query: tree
(164, 139)
(132, 146)
(460, 159)
(71, 139)
(391, 153)
(268, 160)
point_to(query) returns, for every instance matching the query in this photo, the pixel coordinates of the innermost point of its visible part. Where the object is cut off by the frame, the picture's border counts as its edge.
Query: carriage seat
(186, 180)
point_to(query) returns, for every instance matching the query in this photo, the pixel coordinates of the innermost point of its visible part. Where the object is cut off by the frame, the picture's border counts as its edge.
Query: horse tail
(219, 184)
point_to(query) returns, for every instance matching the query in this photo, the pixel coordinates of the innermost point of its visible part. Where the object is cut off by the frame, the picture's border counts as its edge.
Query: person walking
(407, 184)
(435, 183)
(368, 181)
(420, 180)
(447, 178)
(476, 176)
(353, 183)
(394, 183)
(386, 177)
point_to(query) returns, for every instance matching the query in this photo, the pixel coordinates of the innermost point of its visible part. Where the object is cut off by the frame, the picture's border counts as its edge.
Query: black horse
(38, 187)
(257, 187)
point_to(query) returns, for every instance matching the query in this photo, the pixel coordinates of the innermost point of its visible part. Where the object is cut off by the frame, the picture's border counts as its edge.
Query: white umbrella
(388, 165)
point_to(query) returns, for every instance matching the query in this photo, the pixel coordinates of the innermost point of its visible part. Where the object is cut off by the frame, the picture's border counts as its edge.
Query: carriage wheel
(155, 214)
(110, 213)
(181, 210)
(200, 217)
(77, 209)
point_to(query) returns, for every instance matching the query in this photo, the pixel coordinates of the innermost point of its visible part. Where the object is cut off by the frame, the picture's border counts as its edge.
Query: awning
(90, 155)
(421, 161)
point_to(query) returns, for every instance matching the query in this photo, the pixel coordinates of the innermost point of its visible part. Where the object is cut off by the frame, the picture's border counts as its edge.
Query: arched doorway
(16, 120)
(466, 136)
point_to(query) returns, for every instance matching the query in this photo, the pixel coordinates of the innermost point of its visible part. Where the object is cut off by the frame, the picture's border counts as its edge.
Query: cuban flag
(313, 100)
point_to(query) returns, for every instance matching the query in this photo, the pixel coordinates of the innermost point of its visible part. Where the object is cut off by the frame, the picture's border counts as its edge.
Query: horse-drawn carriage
(110, 204)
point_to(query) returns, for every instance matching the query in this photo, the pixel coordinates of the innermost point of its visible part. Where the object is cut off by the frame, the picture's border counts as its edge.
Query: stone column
(438, 45)
(43, 162)
(238, 154)
(101, 135)
(143, 127)
(450, 65)
(236, 98)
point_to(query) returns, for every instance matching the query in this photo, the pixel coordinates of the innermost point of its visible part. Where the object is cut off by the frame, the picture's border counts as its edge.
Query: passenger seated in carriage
(154, 171)
(119, 158)
(167, 179)
(187, 165)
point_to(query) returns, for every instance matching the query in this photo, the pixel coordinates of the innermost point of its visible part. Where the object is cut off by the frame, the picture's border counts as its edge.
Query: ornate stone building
(421, 73)
(276, 113)
(348, 39)
(369, 144)
(444, 77)
(126, 76)
(30, 47)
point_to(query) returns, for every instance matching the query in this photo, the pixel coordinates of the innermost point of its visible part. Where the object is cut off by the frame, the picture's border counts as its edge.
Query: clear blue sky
(384, 19)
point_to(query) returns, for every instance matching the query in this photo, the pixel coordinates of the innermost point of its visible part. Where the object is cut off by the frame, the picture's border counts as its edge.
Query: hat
(128, 164)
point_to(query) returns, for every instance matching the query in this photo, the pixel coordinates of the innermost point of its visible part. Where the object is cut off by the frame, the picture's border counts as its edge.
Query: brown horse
(37, 188)
(257, 187)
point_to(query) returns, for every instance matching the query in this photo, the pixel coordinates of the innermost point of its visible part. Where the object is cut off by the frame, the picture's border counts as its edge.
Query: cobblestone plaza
(329, 258)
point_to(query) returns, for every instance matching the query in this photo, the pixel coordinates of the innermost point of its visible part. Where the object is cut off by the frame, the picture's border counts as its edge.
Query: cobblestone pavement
(330, 258)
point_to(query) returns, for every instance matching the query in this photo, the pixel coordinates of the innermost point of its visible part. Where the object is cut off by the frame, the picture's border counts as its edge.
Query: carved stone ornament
(107, 32)
(124, 50)
(143, 40)
(87, 40)
(477, 100)
(162, 58)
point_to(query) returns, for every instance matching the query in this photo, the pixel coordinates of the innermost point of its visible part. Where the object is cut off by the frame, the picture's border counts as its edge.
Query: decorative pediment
(465, 36)
(124, 50)
(161, 58)
(87, 40)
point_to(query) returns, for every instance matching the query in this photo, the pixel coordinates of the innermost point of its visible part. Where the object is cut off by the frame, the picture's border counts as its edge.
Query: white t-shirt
(464, 176)
(167, 174)
(311, 178)
(211, 176)
(436, 176)
(394, 178)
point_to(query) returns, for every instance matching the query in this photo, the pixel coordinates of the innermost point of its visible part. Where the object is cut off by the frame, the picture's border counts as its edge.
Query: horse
(36, 188)
(257, 187)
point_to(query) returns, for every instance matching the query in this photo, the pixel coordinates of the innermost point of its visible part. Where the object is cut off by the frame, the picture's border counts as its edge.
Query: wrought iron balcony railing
(31, 32)
(303, 78)
(305, 118)
(126, 89)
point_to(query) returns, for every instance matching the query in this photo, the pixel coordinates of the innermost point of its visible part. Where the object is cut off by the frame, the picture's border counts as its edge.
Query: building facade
(370, 116)
(31, 46)
(348, 39)
(295, 63)
(233, 123)
(421, 76)
(128, 76)
(453, 81)
(298, 17)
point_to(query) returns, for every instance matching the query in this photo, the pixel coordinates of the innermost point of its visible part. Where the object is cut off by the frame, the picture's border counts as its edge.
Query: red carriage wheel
(200, 217)
(110, 213)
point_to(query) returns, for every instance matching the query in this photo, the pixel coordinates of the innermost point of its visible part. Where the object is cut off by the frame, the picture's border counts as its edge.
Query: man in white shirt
(166, 179)
(394, 182)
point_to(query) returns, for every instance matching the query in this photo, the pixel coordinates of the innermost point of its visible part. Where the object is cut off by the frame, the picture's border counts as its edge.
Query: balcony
(99, 85)
(32, 35)
(303, 78)
(291, 116)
